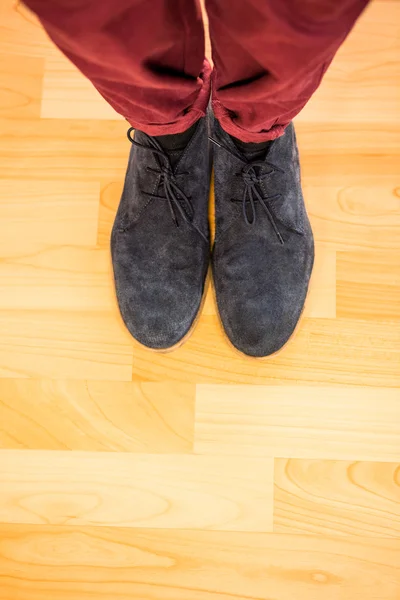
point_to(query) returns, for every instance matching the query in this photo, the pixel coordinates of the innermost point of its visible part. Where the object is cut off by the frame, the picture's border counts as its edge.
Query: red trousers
(146, 57)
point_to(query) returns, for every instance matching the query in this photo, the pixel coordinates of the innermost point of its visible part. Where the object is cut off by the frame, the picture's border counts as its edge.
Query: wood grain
(58, 278)
(47, 213)
(356, 212)
(20, 86)
(48, 149)
(136, 490)
(298, 421)
(67, 94)
(110, 196)
(321, 300)
(97, 416)
(337, 497)
(369, 285)
(21, 33)
(70, 344)
(87, 562)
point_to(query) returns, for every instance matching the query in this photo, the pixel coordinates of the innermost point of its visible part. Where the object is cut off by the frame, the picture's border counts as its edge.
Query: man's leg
(270, 56)
(145, 58)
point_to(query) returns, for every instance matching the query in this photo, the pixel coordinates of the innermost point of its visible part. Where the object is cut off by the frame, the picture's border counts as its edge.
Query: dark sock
(176, 143)
(252, 150)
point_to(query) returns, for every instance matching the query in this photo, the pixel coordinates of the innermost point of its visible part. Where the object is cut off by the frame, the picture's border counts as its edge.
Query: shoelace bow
(176, 198)
(253, 178)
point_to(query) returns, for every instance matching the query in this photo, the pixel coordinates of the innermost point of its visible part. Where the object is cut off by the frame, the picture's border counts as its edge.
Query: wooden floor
(197, 475)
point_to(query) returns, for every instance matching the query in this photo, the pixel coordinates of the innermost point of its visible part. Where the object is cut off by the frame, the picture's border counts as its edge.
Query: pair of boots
(263, 252)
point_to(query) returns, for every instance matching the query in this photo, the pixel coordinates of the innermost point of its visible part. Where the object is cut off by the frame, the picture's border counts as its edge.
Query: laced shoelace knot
(253, 176)
(179, 203)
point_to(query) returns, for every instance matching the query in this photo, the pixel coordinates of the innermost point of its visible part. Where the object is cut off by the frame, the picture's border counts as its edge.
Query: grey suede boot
(160, 239)
(264, 251)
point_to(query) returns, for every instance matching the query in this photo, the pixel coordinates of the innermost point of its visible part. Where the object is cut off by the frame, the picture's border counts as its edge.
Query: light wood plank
(58, 278)
(350, 182)
(64, 345)
(20, 86)
(97, 416)
(21, 32)
(321, 300)
(355, 213)
(330, 351)
(67, 94)
(348, 423)
(89, 562)
(63, 150)
(41, 213)
(337, 497)
(369, 285)
(110, 196)
(210, 307)
(346, 148)
(136, 490)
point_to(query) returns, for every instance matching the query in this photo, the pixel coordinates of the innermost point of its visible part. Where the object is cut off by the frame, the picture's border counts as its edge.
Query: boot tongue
(251, 150)
(176, 143)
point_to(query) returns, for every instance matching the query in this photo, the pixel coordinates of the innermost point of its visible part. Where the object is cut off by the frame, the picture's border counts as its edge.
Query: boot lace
(179, 203)
(253, 175)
